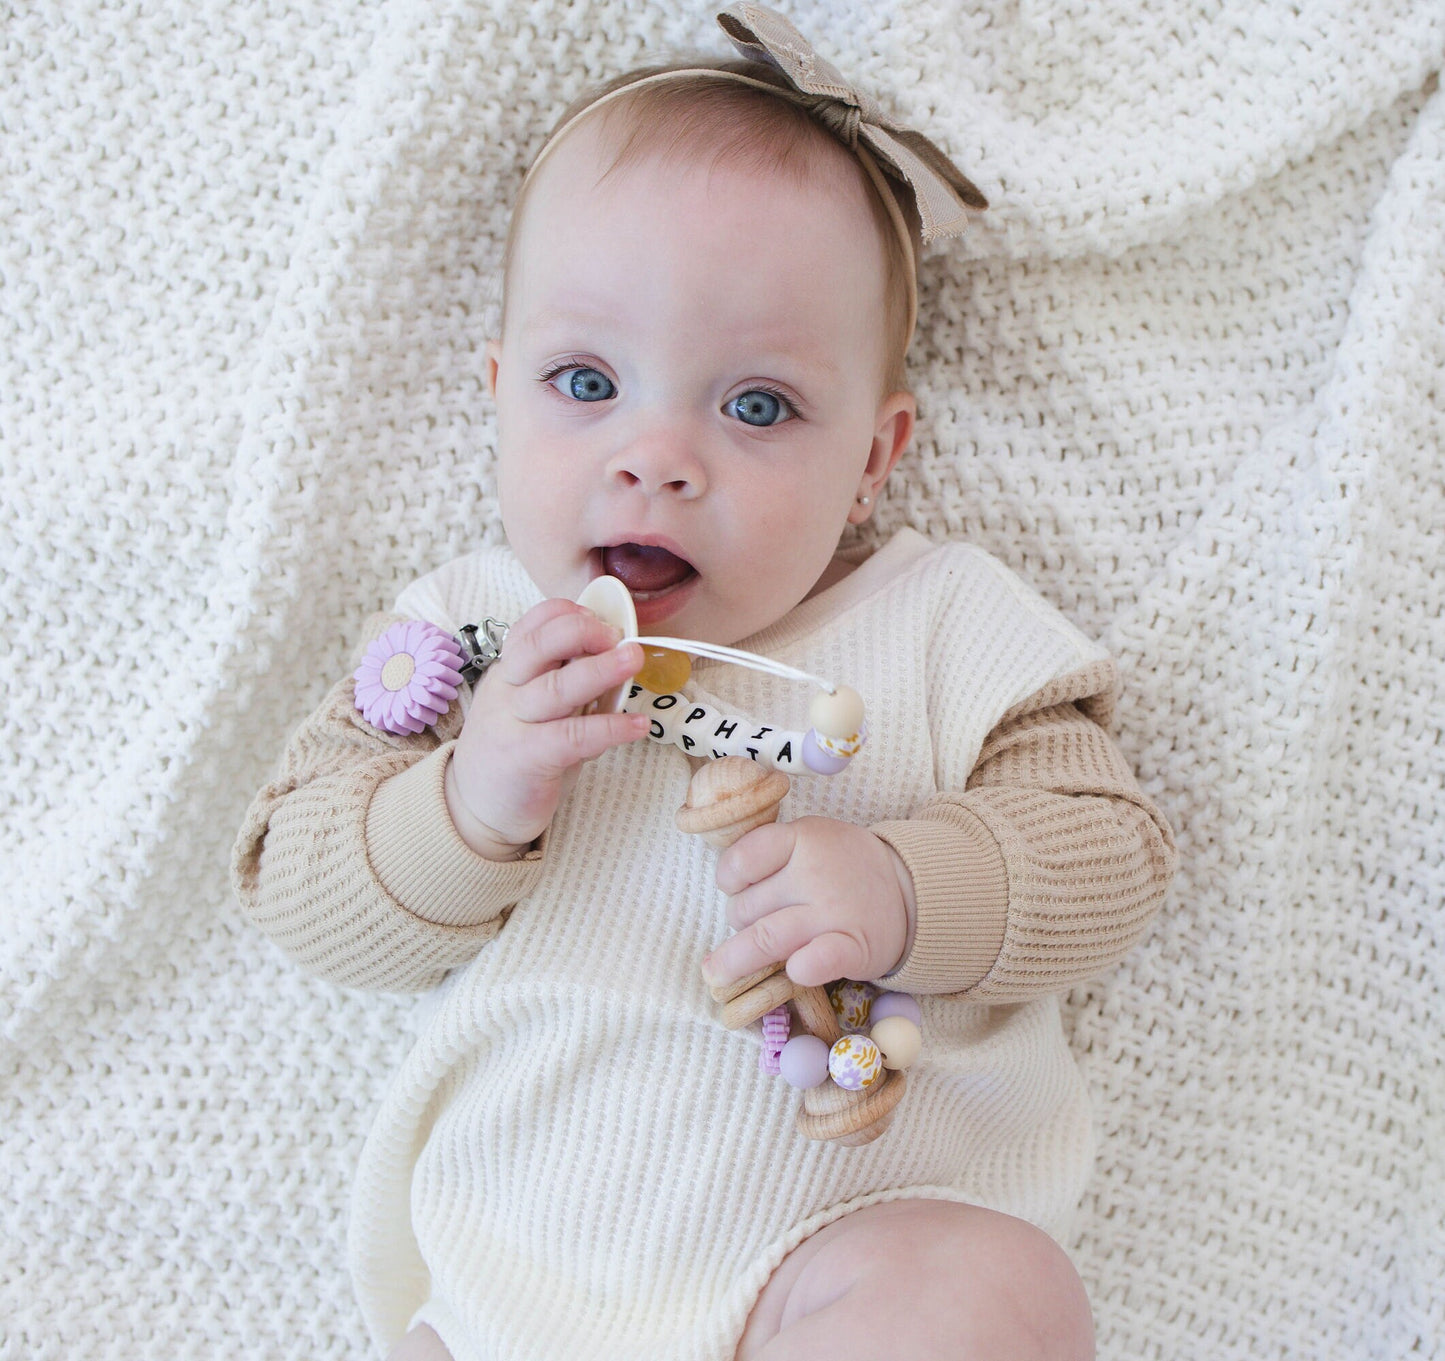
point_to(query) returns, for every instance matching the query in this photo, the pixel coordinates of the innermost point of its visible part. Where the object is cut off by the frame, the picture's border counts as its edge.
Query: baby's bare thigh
(922, 1280)
(421, 1344)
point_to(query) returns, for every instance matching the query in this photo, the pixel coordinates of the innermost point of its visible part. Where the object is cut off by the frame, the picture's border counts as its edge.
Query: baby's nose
(662, 459)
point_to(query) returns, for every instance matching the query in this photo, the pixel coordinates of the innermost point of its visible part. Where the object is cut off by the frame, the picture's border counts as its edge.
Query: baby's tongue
(641, 567)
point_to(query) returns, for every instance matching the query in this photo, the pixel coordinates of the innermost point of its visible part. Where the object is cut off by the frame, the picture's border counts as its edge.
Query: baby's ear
(890, 438)
(894, 429)
(494, 354)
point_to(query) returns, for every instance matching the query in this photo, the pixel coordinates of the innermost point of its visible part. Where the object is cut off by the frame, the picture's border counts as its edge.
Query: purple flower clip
(408, 677)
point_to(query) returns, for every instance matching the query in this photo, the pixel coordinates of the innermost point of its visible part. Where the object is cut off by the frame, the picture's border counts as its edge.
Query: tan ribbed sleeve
(1046, 868)
(349, 861)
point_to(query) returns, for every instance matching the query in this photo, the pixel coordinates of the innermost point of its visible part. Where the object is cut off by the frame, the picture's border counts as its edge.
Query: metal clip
(480, 653)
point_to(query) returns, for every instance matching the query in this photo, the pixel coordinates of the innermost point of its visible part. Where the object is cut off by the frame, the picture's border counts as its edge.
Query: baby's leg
(926, 1280)
(421, 1344)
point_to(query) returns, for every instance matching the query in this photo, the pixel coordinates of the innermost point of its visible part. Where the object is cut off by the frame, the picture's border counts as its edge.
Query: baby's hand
(830, 898)
(524, 733)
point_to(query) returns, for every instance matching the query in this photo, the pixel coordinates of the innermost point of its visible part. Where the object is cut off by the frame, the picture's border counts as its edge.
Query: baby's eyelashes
(761, 406)
(581, 383)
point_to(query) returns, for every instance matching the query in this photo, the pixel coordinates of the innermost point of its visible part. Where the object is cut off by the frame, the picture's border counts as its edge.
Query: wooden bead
(730, 796)
(815, 1014)
(725, 992)
(773, 991)
(850, 1118)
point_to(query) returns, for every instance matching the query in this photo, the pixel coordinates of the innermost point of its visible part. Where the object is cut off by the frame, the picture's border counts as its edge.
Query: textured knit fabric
(1183, 377)
(576, 1155)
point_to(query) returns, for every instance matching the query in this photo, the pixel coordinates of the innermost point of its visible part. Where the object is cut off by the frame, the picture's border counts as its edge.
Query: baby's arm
(1046, 869)
(350, 858)
(1043, 871)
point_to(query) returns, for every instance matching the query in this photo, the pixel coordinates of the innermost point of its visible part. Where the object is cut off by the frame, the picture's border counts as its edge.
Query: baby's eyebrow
(767, 350)
(565, 316)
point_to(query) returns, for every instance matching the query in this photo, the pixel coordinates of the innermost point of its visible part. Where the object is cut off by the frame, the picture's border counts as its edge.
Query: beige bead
(898, 1040)
(838, 715)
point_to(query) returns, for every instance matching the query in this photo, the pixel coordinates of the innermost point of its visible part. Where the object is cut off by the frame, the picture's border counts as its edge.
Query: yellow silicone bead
(663, 670)
(838, 715)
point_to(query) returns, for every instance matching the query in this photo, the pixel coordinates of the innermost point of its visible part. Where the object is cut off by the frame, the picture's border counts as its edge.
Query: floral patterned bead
(851, 1003)
(855, 1063)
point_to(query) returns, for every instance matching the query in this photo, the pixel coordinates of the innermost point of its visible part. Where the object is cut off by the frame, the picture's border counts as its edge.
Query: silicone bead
(817, 760)
(855, 1063)
(408, 677)
(663, 670)
(804, 1061)
(776, 1025)
(898, 1040)
(896, 1004)
(838, 715)
(851, 1002)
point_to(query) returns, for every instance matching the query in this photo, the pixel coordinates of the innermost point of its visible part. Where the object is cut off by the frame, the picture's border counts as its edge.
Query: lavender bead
(804, 1061)
(896, 1004)
(818, 760)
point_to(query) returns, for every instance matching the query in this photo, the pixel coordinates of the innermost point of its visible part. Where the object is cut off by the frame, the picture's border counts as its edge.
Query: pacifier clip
(409, 676)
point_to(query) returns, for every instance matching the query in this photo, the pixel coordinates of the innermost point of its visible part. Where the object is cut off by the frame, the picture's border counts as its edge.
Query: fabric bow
(941, 191)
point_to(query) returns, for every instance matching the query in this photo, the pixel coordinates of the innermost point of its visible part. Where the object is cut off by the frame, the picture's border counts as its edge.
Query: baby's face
(688, 385)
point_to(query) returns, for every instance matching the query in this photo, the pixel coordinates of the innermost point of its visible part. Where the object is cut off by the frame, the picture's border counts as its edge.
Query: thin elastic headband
(894, 157)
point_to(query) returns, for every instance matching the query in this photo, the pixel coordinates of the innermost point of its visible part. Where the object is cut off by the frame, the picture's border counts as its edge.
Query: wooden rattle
(725, 799)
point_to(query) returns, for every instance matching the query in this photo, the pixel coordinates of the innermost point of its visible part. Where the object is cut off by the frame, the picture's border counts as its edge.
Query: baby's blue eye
(586, 385)
(759, 407)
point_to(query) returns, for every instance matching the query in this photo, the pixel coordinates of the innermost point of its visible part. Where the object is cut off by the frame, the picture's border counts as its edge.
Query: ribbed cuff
(960, 888)
(424, 864)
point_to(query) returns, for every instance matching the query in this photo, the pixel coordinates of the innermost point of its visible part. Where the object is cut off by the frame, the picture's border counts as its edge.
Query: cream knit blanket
(1186, 378)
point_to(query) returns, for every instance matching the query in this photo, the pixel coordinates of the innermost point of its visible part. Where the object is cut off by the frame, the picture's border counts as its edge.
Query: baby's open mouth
(645, 569)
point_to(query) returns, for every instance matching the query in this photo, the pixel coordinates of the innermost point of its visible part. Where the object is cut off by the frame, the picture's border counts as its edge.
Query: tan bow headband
(941, 192)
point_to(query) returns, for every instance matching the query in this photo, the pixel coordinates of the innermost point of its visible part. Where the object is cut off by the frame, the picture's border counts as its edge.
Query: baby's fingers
(548, 635)
(794, 934)
(564, 689)
(826, 957)
(569, 741)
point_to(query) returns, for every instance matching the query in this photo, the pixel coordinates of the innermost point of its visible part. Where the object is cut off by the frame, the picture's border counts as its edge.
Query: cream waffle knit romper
(576, 1158)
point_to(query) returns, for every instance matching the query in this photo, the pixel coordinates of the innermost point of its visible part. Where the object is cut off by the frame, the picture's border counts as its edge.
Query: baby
(709, 290)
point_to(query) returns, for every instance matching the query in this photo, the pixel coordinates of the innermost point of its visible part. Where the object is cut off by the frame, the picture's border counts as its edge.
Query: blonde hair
(695, 114)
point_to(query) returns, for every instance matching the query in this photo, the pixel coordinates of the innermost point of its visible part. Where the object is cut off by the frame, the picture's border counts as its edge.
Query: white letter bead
(667, 711)
(701, 730)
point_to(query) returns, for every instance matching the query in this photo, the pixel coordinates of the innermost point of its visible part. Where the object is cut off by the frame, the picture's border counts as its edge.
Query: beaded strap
(410, 675)
(702, 730)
